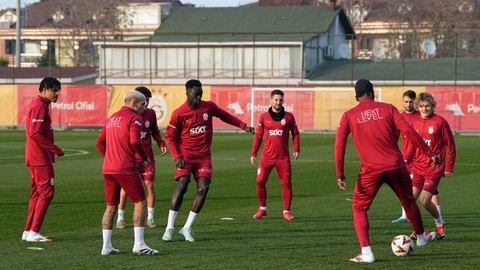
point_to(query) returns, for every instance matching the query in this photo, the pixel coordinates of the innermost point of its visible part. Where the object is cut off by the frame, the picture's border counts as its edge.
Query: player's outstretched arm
(249, 129)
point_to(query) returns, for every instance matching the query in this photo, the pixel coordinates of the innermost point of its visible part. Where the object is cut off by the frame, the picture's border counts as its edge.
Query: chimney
(332, 4)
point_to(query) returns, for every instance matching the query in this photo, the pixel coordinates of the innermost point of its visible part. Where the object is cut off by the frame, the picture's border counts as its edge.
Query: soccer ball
(402, 245)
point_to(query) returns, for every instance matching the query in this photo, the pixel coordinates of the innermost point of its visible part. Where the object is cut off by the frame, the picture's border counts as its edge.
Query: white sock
(150, 212)
(138, 233)
(438, 209)
(367, 251)
(172, 215)
(404, 214)
(107, 239)
(121, 215)
(421, 237)
(285, 211)
(190, 220)
(264, 208)
(439, 221)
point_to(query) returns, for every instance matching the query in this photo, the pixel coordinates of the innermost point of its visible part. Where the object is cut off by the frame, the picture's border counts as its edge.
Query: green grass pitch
(321, 237)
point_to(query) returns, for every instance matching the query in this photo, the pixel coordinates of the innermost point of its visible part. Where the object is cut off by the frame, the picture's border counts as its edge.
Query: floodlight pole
(18, 45)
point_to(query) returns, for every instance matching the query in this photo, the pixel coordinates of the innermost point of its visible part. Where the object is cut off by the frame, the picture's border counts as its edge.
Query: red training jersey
(375, 127)
(40, 149)
(276, 136)
(189, 133)
(410, 118)
(149, 130)
(120, 140)
(437, 134)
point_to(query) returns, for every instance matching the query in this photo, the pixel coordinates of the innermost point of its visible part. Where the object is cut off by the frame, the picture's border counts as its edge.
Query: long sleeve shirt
(276, 135)
(375, 128)
(40, 149)
(149, 130)
(437, 134)
(119, 140)
(190, 130)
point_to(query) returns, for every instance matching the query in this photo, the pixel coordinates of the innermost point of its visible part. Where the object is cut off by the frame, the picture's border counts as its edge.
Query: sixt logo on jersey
(275, 132)
(198, 130)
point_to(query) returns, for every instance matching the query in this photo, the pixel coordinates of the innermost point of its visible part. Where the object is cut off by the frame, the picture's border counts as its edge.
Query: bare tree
(82, 22)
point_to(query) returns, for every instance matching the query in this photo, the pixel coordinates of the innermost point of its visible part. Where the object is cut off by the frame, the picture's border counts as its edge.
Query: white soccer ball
(402, 245)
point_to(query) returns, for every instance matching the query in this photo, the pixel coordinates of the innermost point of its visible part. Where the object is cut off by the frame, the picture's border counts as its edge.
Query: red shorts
(197, 167)
(427, 183)
(42, 179)
(131, 183)
(147, 172)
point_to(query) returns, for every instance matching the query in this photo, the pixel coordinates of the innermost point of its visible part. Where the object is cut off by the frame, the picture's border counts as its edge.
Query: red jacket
(40, 149)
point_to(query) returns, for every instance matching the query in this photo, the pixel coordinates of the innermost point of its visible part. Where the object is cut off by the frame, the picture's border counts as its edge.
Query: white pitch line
(78, 153)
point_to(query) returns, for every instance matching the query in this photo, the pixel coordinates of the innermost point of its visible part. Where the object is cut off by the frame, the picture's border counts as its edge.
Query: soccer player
(275, 125)
(40, 154)
(436, 132)
(411, 114)
(374, 127)
(119, 142)
(150, 129)
(189, 137)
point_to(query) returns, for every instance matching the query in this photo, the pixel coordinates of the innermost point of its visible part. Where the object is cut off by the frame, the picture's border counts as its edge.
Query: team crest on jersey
(430, 130)
(205, 116)
(52, 181)
(147, 124)
(283, 122)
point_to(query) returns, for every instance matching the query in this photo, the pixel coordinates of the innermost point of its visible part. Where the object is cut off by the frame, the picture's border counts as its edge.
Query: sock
(121, 215)
(421, 237)
(107, 239)
(138, 233)
(191, 218)
(285, 211)
(367, 251)
(438, 209)
(263, 208)
(172, 215)
(404, 214)
(439, 221)
(150, 213)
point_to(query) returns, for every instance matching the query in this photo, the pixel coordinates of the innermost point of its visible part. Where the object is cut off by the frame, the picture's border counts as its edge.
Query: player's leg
(135, 190)
(112, 197)
(31, 204)
(426, 199)
(151, 197)
(121, 210)
(284, 172)
(407, 190)
(364, 192)
(203, 185)
(148, 176)
(403, 218)
(265, 167)
(45, 185)
(175, 204)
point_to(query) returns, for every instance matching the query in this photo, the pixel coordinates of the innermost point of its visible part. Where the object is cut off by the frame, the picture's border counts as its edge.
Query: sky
(198, 3)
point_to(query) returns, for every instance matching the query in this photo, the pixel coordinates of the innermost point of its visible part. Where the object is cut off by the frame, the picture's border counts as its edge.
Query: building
(235, 46)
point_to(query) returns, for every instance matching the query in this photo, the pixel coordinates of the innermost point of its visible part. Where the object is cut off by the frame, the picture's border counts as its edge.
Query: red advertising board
(459, 105)
(77, 106)
(237, 100)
